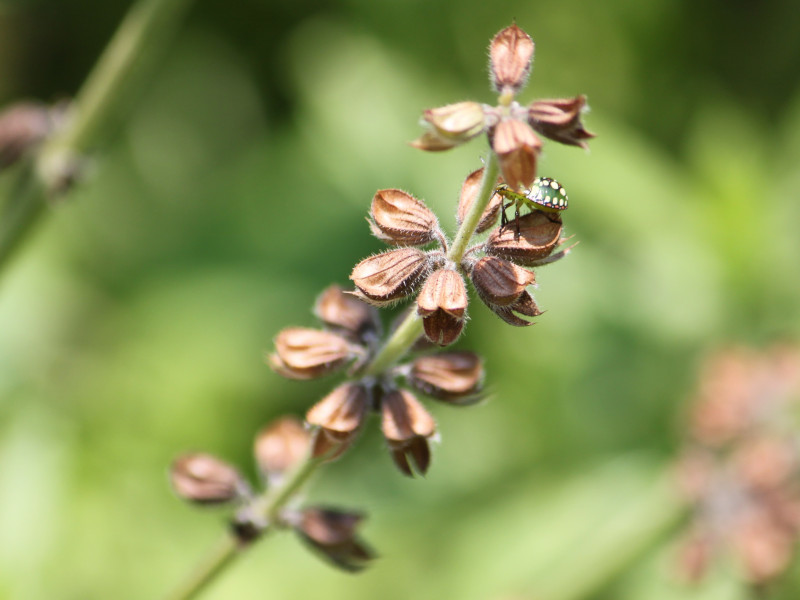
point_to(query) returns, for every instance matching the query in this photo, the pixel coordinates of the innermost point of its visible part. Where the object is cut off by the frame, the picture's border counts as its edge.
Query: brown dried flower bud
(206, 479)
(517, 148)
(400, 219)
(406, 426)
(458, 122)
(500, 282)
(510, 55)
(469, 192)
(560, 120)
(391, 275)
(430, 141)
(524, 305)
(344, 311)
(339, 415)
(539, 234)
(280, 446)
(22, 126)
(333, 534)
(302, 353)
(442, 304)
(452, 376)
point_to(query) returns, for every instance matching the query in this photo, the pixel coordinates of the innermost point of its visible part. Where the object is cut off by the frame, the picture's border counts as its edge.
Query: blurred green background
(133, 325)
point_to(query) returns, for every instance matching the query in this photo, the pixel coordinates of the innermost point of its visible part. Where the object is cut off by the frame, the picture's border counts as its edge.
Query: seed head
(333, 534)
(456, 123)
(400, 219)
(560, 120)
(500, 282)
(517, 148)
(339, 415)
(442, 304)
(510, 56)
(469, 192)
(280, 446)
(539, 234)
(346, 313)
(389, 276)
(205, 479)
(407, 426)
(455, 377)
(302, 353)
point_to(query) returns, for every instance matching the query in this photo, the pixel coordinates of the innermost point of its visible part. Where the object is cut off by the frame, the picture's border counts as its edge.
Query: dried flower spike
(400, 219)
(510, 56)
(205, 479)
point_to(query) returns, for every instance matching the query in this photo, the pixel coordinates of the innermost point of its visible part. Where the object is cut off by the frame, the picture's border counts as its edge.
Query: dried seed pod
(539, 234)
(455, 377)
(458, 122)
(430, 141)
(333, 533)
(442, 304)
(280, 446)
(469, 192)
(400, 219)
(22, 126)
(517, 148)
(344, 311)
(500, 282)
(510, 56)
(524, 306)
(389, 276)
(205, 479)
(339, 415)
(560, 120)
(302, 353)
(406, 426)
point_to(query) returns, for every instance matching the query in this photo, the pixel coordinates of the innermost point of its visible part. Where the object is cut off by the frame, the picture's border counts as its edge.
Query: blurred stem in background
(136, 45)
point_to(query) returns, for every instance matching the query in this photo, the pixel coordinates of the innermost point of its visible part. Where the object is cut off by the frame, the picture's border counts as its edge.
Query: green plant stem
(271, 502)
(109, 87)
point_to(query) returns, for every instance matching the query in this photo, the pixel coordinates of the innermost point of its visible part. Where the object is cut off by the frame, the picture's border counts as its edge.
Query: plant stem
(269, 504)
(226, 550)
(109, 87)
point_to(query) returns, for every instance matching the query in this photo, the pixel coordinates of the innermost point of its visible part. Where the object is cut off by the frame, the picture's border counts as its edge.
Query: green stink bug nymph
(545, 194)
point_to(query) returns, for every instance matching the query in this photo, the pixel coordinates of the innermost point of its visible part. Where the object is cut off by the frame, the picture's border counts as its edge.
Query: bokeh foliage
(133, 326)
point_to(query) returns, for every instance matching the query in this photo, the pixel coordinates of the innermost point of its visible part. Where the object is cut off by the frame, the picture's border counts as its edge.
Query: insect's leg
(516, 219)
(503, 218)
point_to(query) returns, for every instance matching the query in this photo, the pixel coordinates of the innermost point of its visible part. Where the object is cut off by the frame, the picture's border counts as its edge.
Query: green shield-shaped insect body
(545, 194)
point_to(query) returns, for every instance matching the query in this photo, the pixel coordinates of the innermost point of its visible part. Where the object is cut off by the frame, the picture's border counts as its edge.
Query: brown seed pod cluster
(511, 127)
(278, 449)
(501, 276)
(340, 416)
(740, 469)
